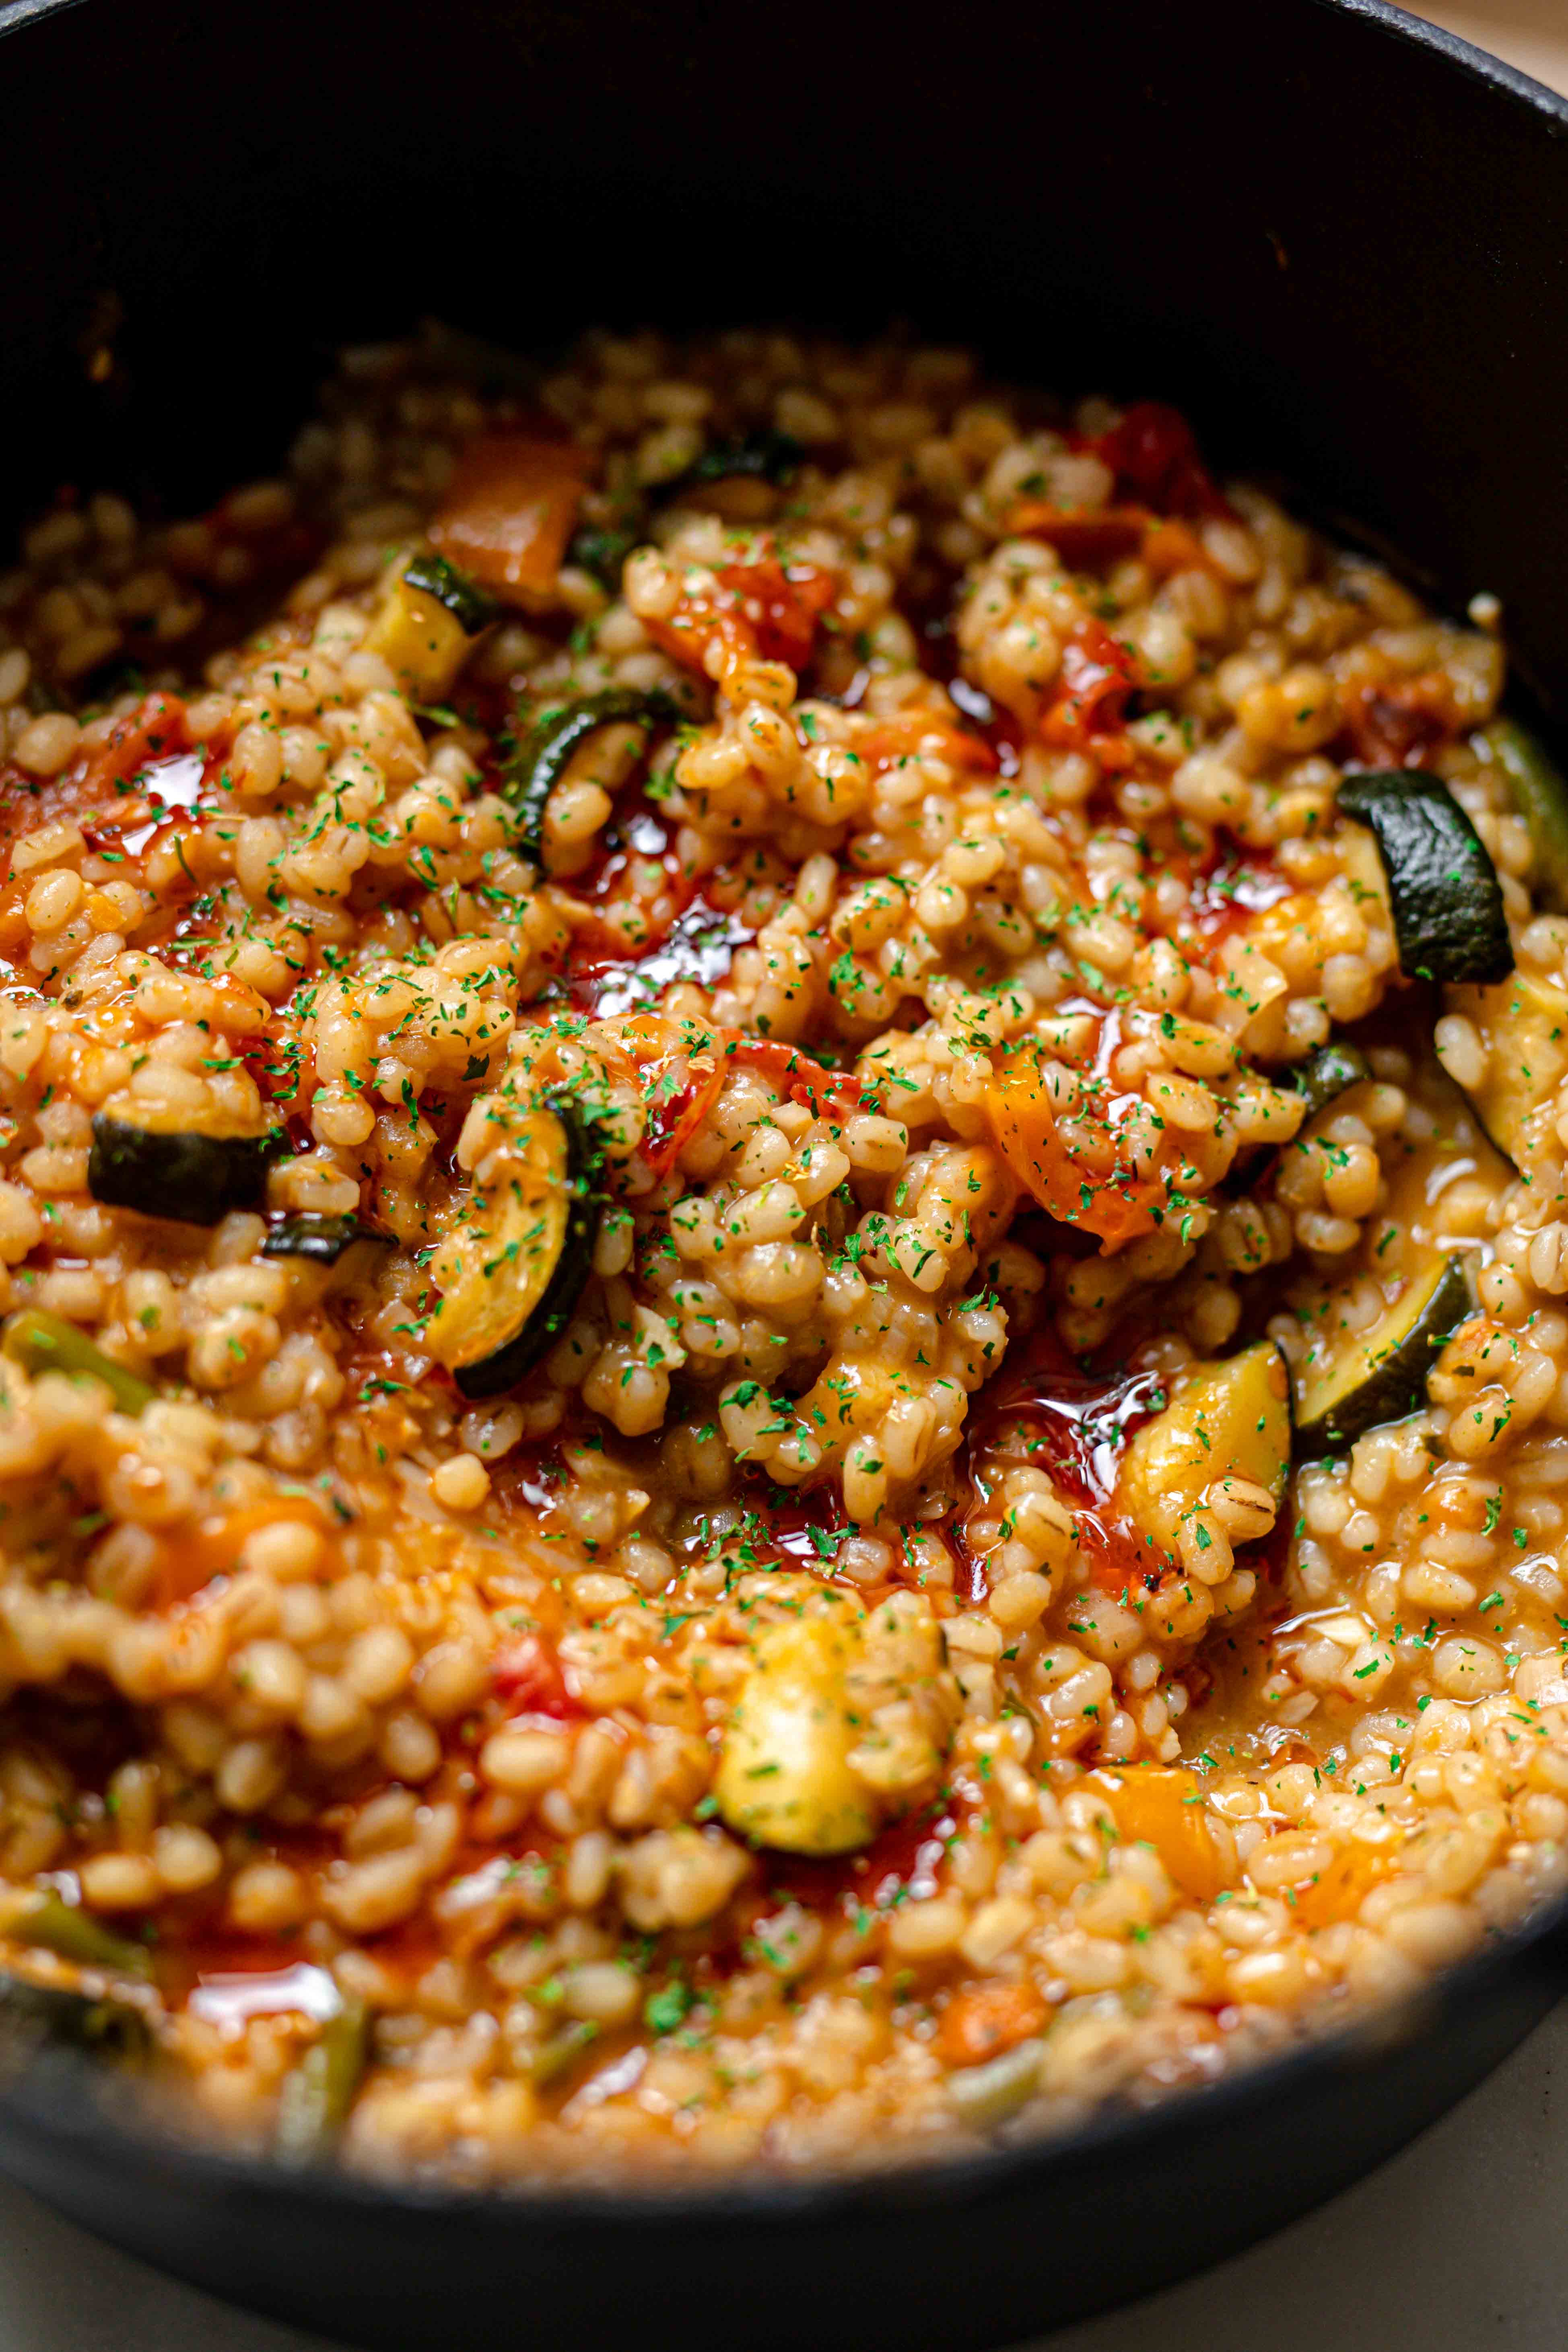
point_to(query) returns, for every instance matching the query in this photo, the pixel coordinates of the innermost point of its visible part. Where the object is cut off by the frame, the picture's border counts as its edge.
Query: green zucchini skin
(41, 1342)
(601, 553)
(323, 1240)
(1541, 795)
(1448, 905)
(495, 1373)
(194, 1180)
(760, 456)
(1328, 1073)
(1399, 1352)
(34, 2013)
(318, 2093)
(538, 767)
(471, 609)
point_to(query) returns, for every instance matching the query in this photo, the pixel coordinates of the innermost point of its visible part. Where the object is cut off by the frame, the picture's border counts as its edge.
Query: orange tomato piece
(217, 1542)
(508, 511)
(1085, 539)
(1162, 1805)
(1338, 1893)
(988, 2020)
(1097, 675)
(1071, 1167)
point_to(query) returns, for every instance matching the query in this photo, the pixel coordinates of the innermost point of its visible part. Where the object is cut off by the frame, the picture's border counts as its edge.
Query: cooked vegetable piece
(324, 1240)
(508, 511)
(1443, 888)
(53, 1925)
(48, 1343)
(1352, 1381)
(602, 553)
(1541, 795)
(107, 2028)
(559, 2052)
(785, 1776)
(1328, 1073)
(427, 624)
(762, 457)
(985, 2096)
(1523, 1025)
(1229, 1419)
(513, 1268)
(1062, 1162)
(1162, 1805)
(319, 2091)
(543, 758)
(163, 1172)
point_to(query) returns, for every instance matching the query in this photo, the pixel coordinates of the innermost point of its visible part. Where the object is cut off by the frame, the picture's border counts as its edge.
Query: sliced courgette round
(1327, 1074)
(760, 456)
(1352, 1381)
(1229, 1419)
(428, 624)
(544, 756)
(513, 1268)
(321, 1239)
(1541, 795)
(41, 1342)
(1523, 1023)
(1443, 888)
(170, 1172)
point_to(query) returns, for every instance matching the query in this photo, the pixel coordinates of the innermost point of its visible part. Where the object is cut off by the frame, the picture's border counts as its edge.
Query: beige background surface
(1530, 34)
(1458, 2245)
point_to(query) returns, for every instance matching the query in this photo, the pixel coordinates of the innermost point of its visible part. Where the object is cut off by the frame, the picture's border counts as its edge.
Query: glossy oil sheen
(1339, 241)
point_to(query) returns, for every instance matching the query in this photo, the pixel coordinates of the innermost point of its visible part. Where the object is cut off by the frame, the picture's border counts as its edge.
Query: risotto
(785, 1373)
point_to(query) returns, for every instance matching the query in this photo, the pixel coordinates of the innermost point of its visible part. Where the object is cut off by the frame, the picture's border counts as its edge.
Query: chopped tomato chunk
(991, 2019)
(1098, 676)
(508, 511)
(1396, 725)
(764, 610)
(1162, 1806)
(1084, 538)
(1074, 1166)
(1153, 452)
(527, 1674)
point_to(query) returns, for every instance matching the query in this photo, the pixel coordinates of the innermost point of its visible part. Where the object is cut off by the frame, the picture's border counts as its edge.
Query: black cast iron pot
(1339, 239)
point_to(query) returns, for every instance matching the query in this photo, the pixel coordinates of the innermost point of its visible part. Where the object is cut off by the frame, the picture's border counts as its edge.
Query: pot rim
(59, 2097)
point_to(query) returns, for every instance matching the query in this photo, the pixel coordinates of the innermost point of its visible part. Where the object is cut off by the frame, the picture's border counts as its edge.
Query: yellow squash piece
(1523, 1023)
(429, 622)
(1230, 1420)
(785, 1777)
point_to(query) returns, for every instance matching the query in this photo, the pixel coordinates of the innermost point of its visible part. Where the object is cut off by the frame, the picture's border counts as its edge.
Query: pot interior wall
(1342, 252)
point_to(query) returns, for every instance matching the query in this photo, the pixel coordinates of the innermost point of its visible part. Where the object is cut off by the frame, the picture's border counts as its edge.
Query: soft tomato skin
(1162, 1805)
(527, 1674)
(508, 511)
(1117, 1207)
(988, 2020)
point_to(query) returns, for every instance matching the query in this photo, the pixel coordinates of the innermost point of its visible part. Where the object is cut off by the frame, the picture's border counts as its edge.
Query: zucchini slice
(784, 1777)
(602, 554)
(513, 1269)
(1541, 795)
(1449, 916)
(168, 1172)
(1352, 1381)
(760, 456)
(1225, 1420)
(1523, 1023)
(319, 2089)
(321, 1239)
(428, 624)
(1327, 1074)
(41, 1342)
(543, 758)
